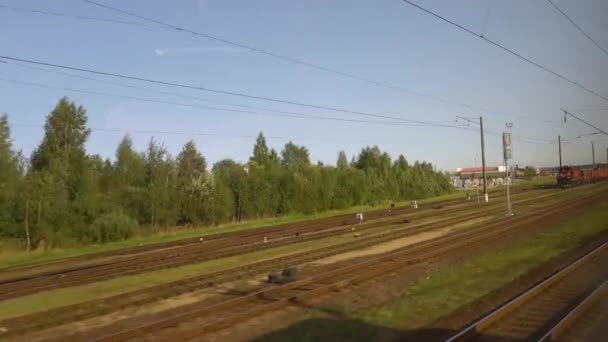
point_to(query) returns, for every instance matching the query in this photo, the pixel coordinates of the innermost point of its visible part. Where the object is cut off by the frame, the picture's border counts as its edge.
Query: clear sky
(384, 40)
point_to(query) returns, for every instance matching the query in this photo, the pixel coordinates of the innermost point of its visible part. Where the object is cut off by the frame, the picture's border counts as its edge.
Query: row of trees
(63, 195)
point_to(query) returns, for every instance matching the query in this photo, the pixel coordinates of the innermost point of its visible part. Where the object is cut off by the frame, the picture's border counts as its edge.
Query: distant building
(472, 177)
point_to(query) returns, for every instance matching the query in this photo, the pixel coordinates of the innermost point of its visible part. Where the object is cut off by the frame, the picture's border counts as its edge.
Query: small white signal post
(506, 146)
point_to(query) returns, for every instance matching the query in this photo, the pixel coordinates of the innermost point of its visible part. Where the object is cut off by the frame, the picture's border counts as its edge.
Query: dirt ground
(397, 243)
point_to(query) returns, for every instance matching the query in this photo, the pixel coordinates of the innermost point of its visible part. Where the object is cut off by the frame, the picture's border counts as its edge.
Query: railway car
(570, 176)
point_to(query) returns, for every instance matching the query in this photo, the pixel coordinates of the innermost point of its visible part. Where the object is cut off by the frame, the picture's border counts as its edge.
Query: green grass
(9, 257)
(454, 286)
(543, 180)
(66, 296)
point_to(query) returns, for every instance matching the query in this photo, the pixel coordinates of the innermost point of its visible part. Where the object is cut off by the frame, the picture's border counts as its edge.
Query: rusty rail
(575, 316)
(482, 326)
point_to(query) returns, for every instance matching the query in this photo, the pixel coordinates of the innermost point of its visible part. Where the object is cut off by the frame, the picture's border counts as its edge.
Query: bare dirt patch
(398, 243)
(213, 294)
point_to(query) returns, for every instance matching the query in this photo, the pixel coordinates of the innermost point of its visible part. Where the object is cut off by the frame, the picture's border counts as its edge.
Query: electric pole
(483, 153)
(483, 161)
(593, 153)
(506, 146)
(559, 142)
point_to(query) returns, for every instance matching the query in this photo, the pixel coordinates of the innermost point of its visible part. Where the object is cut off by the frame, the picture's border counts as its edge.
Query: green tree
(129, 184)
(261, 153)
(11, 172)
(161, 204)
(232, 179)
(294, 156)
(63, 146)
(196, 189)
(191, 163)
(342, 161)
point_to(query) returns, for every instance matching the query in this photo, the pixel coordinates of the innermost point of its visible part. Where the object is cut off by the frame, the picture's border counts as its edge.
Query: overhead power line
(225, 92)
(300, 116)
(197, 98)
(566, 113)
(124, 85)
(475, 122)
(72, 16)
(589, 109)
(584, 135)
(291, 59)
(528, 60)
(302, 62)
(524, 139)
(530, 140)
(224, 135)
(578, 27)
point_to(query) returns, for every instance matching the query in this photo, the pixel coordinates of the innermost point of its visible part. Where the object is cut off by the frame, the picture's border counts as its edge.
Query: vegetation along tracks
(549, 308)
(204, 317)
(17, 288)
(102, 306)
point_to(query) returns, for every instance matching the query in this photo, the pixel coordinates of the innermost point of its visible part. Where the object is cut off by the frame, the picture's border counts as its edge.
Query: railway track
(551, 308)
(208, 250)
(140, 297)
(193, 320)
(587, 322)
(310, 226)
(20, 287)
(223, 240)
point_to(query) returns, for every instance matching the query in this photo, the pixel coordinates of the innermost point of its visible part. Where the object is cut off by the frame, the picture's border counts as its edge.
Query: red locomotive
(569, 175)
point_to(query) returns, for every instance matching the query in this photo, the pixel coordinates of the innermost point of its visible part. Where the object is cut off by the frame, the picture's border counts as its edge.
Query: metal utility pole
(483, 160)
(483, 153)
(593, 153)
(477, 183)
(506, 145)
(559, 142)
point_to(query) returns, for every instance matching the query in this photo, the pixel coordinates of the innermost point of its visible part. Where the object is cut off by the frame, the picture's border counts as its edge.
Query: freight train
(569, 175)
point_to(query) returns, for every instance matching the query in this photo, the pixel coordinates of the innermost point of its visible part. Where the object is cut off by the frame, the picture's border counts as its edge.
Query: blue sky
(383, 40)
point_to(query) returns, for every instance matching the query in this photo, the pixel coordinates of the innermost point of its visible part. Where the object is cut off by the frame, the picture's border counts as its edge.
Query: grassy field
(452, 287)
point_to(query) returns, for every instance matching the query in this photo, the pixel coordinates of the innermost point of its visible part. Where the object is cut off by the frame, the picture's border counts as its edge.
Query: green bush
(112, 227)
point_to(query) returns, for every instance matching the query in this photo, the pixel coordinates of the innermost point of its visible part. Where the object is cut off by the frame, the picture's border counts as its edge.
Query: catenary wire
(502, 47)
(306, 63)
(72, 16)
(190, 97)
(302, 116)
(410, 91)
(187, 86)
(227, 135)
(578, 27)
